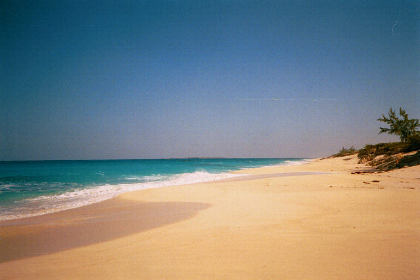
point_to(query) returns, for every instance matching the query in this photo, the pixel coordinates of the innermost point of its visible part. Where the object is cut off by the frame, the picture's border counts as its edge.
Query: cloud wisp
(284, 99)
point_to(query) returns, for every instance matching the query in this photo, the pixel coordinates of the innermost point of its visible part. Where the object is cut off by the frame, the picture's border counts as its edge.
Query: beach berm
(327, 224)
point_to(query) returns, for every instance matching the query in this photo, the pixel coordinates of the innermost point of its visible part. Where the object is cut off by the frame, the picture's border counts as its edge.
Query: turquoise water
(30, 188)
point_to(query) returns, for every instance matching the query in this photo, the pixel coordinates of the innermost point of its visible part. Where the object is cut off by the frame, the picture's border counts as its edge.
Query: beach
(310, 221)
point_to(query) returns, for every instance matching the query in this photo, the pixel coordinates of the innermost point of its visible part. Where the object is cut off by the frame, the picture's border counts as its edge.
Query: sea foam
(36, 188)
(84, 196)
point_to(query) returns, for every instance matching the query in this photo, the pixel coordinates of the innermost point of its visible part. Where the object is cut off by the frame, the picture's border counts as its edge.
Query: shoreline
(326, 225)
(110, 190)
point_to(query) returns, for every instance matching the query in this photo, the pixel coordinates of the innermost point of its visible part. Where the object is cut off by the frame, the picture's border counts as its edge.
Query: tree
(401, 126)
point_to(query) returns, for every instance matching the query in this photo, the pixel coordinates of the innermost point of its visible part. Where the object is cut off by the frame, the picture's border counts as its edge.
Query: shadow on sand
(87, 225)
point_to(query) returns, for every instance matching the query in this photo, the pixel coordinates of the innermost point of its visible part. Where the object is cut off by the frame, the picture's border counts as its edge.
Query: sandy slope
(325, 226)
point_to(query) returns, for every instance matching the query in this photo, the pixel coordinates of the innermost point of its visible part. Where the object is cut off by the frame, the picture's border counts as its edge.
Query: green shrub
(411, 160)
(345, 152)
(369, 152)
(413, 142)
(401, 126)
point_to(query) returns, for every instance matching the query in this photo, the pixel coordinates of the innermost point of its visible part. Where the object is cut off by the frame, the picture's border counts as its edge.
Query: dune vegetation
(387, 156)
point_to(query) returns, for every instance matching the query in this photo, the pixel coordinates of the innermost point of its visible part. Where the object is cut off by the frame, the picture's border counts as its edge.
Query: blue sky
(155, 79)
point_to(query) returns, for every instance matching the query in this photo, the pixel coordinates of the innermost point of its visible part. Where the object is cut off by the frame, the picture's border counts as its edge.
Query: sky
(158, 79)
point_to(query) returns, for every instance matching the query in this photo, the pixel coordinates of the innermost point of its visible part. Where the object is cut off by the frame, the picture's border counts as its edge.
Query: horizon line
(166, 158)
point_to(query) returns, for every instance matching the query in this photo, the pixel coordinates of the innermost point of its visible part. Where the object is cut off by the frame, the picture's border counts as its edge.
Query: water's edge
(42, 205)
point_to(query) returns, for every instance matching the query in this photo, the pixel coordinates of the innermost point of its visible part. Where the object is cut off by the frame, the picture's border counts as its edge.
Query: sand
(325, 225)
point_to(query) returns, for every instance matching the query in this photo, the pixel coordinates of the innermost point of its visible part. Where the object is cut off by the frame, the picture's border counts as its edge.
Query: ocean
(30, 188)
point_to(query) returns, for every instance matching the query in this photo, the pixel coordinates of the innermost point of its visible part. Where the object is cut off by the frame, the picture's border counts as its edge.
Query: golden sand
(334, 225)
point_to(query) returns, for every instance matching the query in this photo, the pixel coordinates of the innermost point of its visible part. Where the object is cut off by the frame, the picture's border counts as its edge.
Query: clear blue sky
(154, 79)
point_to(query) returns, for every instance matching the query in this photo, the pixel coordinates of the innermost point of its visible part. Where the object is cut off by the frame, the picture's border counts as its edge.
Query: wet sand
(274, 223)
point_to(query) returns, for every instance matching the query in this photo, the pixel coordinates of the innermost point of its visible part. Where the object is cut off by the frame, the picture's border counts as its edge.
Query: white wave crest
(295, 162)
(80, 197)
